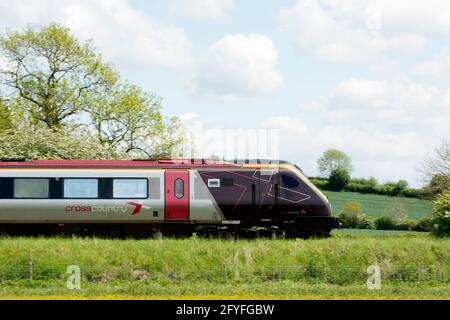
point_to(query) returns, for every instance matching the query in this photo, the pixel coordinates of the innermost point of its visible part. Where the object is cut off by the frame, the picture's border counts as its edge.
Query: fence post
(225, 272)
(30, 266)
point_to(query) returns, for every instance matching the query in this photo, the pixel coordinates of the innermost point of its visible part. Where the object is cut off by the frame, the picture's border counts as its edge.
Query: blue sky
(371, 78)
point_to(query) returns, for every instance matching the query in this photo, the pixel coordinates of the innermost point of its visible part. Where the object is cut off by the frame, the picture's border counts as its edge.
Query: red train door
(177, 195)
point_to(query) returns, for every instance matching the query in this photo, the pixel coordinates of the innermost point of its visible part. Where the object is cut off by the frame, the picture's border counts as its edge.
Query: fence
(342, 274)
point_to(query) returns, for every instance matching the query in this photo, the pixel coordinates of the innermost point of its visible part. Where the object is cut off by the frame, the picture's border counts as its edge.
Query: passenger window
(289, 182)
(179, 188)
(130, 188)
(31, 188)
(81, 188)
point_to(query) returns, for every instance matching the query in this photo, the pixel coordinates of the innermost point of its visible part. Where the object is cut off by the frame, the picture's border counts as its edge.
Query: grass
(413, 265)
(374, 205)
(231, 291)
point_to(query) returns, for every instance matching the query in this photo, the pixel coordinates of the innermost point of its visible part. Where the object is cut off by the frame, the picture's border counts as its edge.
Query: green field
(374, 205)
(413, 265)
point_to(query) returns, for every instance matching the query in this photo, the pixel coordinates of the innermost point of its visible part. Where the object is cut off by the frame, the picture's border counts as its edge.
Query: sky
(371, 78)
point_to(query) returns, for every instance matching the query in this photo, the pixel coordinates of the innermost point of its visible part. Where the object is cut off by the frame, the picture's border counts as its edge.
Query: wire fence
(342, 274)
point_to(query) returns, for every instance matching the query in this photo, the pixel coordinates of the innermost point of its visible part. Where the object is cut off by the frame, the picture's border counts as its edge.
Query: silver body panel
(102, 210)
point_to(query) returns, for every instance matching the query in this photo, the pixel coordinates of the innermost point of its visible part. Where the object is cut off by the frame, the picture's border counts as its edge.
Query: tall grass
(340, 260)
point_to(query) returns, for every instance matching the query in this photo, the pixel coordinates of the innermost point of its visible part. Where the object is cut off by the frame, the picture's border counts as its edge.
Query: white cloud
(387, 127)
(122, 34)
(206, 9)
(379, 153)
(437, 68)
(357, 31)
(237, 66)
(188, 116)
(290, 124)
(394, 104)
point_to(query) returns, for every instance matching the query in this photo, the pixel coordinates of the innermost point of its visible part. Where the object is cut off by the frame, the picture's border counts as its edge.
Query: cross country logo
(137, 207)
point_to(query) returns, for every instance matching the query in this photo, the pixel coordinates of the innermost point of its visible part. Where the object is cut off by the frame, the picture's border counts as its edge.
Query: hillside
(377, 205)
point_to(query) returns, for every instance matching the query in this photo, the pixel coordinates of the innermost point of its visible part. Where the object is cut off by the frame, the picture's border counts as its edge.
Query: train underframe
(304, 227)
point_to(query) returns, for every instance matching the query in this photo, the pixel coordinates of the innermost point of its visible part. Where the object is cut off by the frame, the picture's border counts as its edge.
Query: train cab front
(305, 209)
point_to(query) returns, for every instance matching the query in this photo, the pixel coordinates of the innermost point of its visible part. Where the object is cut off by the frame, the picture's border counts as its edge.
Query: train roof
(137, 163)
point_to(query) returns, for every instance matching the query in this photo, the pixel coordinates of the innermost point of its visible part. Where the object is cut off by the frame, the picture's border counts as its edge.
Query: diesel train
(175, 197)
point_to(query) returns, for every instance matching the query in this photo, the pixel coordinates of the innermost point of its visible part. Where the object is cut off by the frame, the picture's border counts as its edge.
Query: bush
(438, 184)
(408, 225)
(411, 193)
(359, 187)
(424, 225)
(319, 183)
(339, 179)
(370, 186)
(365, 222)
(352, 218)
(441, 215)
(385, 223)
(349, 220)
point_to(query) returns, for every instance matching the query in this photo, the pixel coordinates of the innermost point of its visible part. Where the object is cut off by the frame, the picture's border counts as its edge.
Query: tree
(441, 215)
(52, 73)
(438, 184)
(436, 169)
(5, 117)
(339, 179)
(129, 120)
(57, 82)
(333, 159)
(400, 186)
(34, 143)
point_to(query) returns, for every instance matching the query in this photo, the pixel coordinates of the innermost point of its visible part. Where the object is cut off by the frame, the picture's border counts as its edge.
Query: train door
(256, 193)
(176, 195)
(269, 189)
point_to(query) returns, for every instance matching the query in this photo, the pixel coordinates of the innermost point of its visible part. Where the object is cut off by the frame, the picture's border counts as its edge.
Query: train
(168, 197)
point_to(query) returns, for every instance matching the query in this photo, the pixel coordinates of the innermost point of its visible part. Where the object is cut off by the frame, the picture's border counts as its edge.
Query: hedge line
(358, 185)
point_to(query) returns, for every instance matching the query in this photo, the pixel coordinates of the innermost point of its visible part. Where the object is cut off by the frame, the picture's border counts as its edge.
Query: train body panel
(193, 196)
(68, 210)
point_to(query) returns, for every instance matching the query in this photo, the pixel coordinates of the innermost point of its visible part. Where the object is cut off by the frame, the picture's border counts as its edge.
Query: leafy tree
(437, 168)
(129, 120)
(339, 179)
(34, 143)
(58, 82)
(400, 186)
(6, 122)
(333, 159)
(52, 73)
(441, 215)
